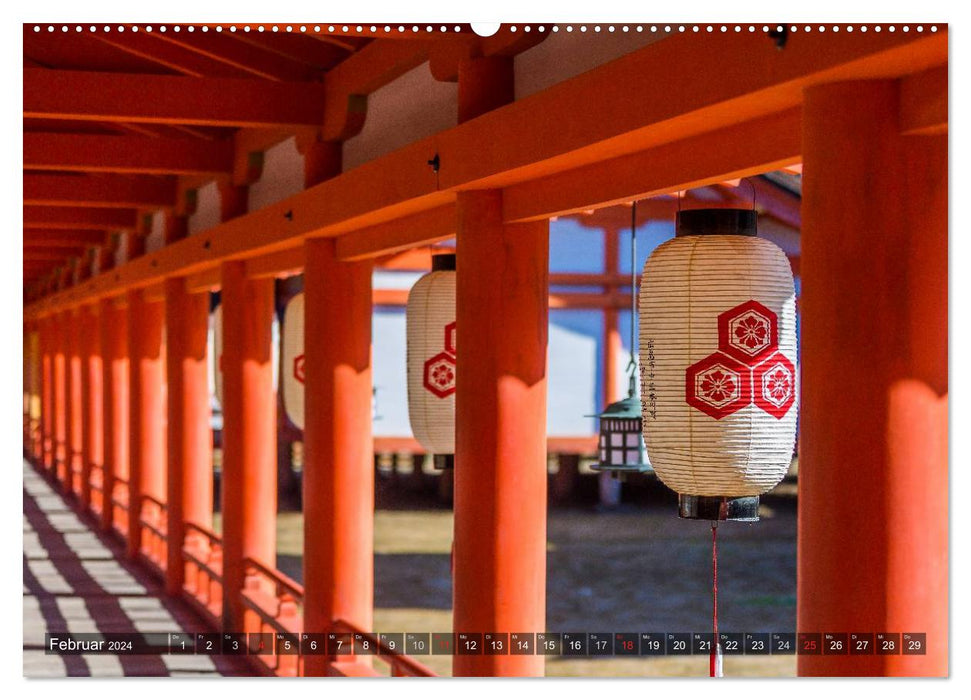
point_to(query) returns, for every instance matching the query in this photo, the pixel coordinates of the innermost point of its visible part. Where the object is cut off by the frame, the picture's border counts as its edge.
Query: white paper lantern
(718, 363)
(293, 361)
(430, 321)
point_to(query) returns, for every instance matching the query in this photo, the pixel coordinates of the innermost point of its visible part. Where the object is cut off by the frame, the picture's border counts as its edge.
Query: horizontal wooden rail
(202, 554)
(271, 603)
(154, 544)
(400, 664)
(119, 502)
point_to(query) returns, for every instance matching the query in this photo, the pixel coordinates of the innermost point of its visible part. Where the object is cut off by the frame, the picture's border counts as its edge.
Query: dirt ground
(637, 569)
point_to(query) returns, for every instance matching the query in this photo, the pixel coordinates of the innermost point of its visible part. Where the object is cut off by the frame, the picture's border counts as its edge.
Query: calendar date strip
(577, 644)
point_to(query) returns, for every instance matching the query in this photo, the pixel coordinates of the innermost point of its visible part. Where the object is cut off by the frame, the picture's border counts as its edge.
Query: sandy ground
(639, 569)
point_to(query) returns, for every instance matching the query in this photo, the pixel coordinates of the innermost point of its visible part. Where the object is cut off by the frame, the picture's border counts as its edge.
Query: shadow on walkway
(77, 580)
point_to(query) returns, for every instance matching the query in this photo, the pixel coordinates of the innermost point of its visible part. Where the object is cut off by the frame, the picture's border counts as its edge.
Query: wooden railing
(398, 663)
(119, 502)
(202, 552)
(154, 539)
(271, 603)
(97, 489)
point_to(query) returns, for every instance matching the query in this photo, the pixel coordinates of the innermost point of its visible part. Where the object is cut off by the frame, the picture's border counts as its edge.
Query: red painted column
(873, 489)
(115, 369)
(92, 409)
(189, 421)
(75, 403)
(61, 475)
(500, 435)
(249, 434)
(338, 479)
(147, 419)
(48, 350)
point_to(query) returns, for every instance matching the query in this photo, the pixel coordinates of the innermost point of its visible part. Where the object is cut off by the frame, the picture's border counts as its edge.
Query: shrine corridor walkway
(76, 580)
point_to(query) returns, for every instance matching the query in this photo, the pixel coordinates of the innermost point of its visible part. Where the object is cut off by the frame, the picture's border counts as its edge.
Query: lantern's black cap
(444, 261)
(722, 222)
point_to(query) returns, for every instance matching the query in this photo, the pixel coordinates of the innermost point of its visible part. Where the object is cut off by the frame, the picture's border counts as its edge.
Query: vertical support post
(115, 371)
(249, 433)
(48, 351)
(146, 410)
(500, 433)
(75, 404)
(874, 422)
(338, 480)
(92, 413)
(61, 475)
(190, 432)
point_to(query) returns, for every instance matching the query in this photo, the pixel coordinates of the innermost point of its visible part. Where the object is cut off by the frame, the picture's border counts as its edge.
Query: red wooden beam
(98, 190)
(254, 62)
(923, 102)
(62, 238)
(79, 218)
(164, 99)
(126, 154)
(178, 58)
(55, 255)
(608, 120)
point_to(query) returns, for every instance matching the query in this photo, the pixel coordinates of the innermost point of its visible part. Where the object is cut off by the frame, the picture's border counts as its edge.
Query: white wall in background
(563, 55)
(395, 118)
(207, 213)
(282, 175)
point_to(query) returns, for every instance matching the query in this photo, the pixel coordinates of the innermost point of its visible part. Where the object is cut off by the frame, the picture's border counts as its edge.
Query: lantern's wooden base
(444, 461)
(743, 508)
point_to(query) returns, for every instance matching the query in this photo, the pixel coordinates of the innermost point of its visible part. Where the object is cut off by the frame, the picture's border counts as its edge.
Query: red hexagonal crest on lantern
(298, 368)
(749, 332)
(718, 386)
(450, 337)
(439, 377)
(774, 382)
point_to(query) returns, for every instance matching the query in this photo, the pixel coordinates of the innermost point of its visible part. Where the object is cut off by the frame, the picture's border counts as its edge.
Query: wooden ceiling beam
(165, 99)
(63, 237)
(740, 150)
(742, 79)
(224, 49)
(79, 218)
(126, 154)
(923, 102)
(99, 190)
(177, 58)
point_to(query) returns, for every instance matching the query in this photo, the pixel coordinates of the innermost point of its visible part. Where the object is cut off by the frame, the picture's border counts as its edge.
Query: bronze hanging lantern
(621, 442)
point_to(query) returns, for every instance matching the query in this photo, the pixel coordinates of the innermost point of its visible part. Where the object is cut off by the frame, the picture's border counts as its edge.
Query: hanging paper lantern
(430, 321)
(293, 361)
(718, 363)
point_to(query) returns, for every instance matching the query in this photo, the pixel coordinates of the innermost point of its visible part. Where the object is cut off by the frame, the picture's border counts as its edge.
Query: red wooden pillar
(873, 490)
(115, 369)
(147, 420)
(92, 455)
(189, 426)
(61, 475)
(75, 403)
(47, 350)
(338, 479)
(500, 434)
(249, 481)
